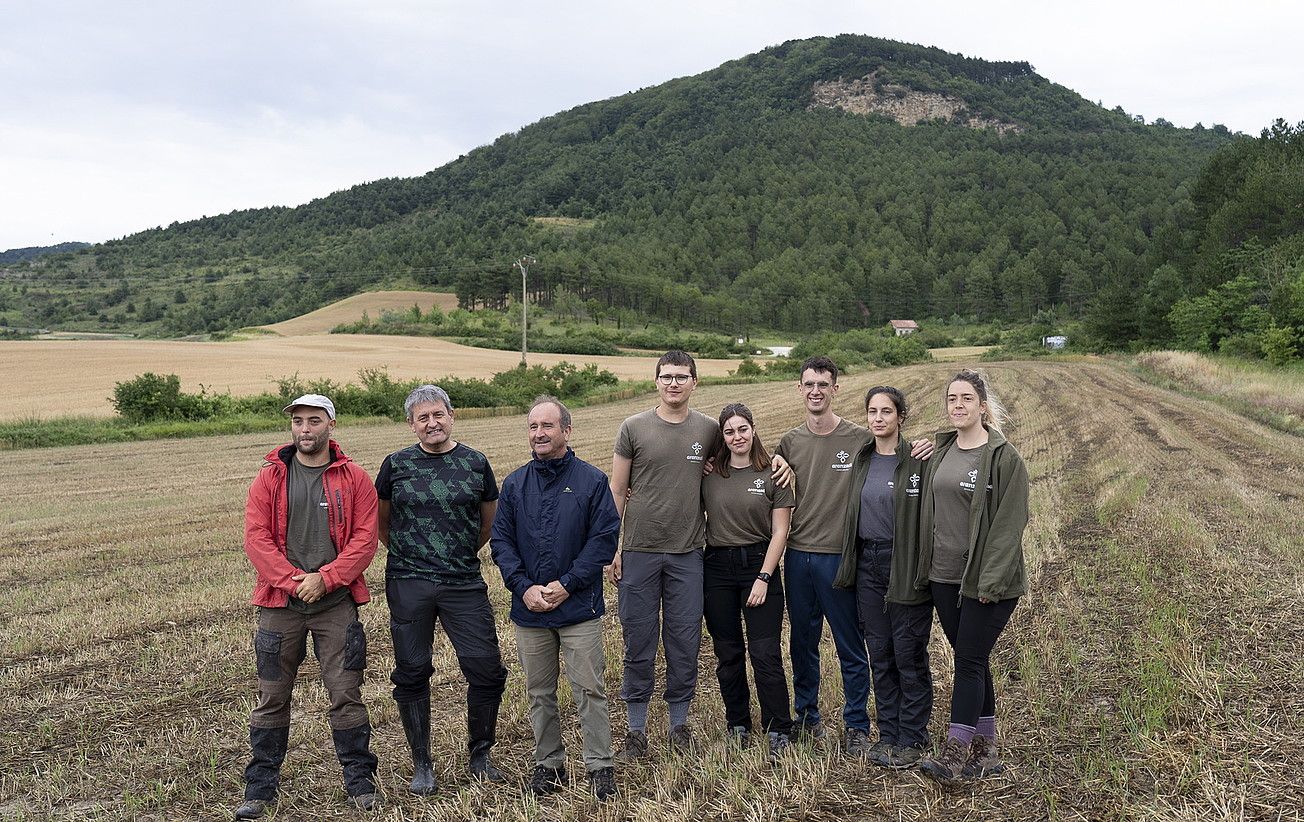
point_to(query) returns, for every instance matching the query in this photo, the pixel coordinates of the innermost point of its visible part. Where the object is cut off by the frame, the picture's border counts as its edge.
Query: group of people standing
(873, 534)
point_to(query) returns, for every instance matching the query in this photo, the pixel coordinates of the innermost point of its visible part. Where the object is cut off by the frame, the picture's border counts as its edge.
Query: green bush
(1279, 344)
(150, 397)
(748, 368)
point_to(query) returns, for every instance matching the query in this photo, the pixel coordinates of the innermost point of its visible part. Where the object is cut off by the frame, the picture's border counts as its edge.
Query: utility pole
(524, 264)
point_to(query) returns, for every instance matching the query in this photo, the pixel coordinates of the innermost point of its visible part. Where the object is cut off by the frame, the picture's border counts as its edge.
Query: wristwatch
(763, 577)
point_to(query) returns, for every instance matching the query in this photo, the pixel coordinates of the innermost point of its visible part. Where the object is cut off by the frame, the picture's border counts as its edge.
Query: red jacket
(351, 499)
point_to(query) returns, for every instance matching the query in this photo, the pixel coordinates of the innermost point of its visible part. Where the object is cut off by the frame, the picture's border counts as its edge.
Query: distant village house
(904, 327)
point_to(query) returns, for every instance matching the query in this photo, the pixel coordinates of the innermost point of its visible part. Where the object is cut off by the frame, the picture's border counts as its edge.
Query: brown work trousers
(340, 645)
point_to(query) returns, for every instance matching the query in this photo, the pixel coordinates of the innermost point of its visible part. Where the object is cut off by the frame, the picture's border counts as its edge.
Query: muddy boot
(263, 773)
(416, 725)
(353, 748)
(481, 728)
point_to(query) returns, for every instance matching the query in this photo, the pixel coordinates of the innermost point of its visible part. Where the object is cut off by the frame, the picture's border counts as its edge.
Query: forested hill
(818, 184)
(18, 255)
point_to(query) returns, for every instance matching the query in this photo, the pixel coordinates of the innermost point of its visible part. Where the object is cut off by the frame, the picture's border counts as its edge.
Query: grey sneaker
(634, 750)
(857, 743)
(252, 809)
(983, 760)
(681, 739)
(603, 782)
(739, 735)
(363, 801)
(779, 743)
(900, 757)
(948, 764)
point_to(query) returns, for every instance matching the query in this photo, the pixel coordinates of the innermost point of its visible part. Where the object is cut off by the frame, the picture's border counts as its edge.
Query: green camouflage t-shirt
(434, 517)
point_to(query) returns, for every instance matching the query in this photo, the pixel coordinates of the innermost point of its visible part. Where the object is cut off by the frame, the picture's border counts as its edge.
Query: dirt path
(1151, 673)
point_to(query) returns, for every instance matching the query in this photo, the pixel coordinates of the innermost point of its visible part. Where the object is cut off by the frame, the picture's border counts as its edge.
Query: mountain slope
(730, 198)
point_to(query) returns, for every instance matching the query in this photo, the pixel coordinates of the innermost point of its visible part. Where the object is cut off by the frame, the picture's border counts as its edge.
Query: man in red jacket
(310, 532)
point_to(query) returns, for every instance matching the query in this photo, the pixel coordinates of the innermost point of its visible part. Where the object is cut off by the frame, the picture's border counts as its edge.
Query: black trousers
(468, 619)
(897, 639)
(728, 576)
(972, 628)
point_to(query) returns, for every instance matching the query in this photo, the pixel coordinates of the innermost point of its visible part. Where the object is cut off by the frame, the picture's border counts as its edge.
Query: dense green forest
(727, 201)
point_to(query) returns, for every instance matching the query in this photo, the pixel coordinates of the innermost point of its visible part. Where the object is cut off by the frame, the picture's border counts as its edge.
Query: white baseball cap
(313, 401)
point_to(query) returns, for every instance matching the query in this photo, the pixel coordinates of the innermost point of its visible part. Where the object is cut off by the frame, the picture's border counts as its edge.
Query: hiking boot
(809, 731)
(900, 757)
(603, 783)
(779, 743)
(544, 780)
(681, 739)
(948, 764)
(252, 809)
(634, 750)
(857, 744)
(983, 760)
(363, 801)
(878, 751)
(740, 735)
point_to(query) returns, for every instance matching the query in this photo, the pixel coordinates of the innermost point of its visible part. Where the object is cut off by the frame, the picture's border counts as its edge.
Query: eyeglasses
(811, 386)
(676, 379)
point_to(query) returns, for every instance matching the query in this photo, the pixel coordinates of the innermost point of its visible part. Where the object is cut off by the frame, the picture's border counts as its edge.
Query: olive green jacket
(993, 568)
(908, 483)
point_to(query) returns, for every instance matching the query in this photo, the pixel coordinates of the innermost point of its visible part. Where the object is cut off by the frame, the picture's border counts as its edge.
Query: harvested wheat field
(1151, 673)
(351, 309)
(56, 378)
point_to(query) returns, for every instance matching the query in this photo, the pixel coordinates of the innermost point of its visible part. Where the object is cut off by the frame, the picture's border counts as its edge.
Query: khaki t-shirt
(953, 487)
(664, 513)
(738, 508)
(823, 466)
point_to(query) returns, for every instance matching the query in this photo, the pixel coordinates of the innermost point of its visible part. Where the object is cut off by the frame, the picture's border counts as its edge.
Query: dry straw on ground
(1152, 672)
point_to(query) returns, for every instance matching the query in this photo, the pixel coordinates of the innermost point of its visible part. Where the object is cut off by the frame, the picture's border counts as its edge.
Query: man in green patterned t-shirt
(437, 503)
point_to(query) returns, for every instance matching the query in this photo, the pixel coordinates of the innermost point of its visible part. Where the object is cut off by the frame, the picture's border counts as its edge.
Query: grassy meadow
(1151, 673)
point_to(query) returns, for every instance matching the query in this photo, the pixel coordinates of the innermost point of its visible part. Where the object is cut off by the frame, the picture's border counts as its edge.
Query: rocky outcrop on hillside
(869, 95)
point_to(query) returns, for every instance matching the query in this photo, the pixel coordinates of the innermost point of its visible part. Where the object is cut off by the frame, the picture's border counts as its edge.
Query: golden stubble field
(1152, 673)
(55, 378)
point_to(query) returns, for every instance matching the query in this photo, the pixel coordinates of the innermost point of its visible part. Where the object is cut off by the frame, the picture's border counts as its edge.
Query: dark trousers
(972, 629)
(812, 600)
(728, 577)
(897, 638)
(468, 620)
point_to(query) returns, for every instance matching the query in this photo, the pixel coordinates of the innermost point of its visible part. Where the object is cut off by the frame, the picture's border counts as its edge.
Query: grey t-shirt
(738, 508)
(823, 466)
(308, 544)
(664, 512)
(877, 499)
(953, 487)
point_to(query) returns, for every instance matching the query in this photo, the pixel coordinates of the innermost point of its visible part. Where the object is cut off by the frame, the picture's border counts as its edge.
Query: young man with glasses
(821, 452)
(656, 481)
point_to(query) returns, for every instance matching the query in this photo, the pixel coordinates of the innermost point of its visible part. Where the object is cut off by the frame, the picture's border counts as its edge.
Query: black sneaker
(809, 731)
(634, 750)
(603, 783)
(544, 781)
(363, 801)
(878, 751)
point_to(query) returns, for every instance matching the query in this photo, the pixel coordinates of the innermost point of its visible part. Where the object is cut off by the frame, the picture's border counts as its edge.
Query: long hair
(759, 456)
(898, 399)
(996, 413)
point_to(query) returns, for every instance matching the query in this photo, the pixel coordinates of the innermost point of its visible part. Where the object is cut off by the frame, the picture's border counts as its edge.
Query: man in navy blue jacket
(555, 529)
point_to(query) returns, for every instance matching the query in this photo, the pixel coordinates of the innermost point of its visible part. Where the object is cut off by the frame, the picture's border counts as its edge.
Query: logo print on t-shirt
(843, 463)
(697, 448)
(914, 480)
(973, 475)
(843, 456)
(760, 483)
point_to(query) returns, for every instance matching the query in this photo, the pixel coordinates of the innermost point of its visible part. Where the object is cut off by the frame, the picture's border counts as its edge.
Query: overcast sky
(120, 116)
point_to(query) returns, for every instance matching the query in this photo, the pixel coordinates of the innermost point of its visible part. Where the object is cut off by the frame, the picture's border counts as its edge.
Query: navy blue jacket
(556, 521)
